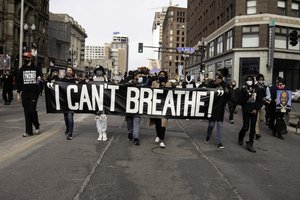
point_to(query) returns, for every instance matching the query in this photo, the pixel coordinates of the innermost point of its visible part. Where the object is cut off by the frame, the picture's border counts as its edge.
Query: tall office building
(157, 30)
(174, 32)
(94, 52)
(119, 53)
(248, 37)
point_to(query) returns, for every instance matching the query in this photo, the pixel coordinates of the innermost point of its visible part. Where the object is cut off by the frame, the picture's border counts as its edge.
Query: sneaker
(26, 135)
(220, 146)
(37, 131)
(136, 141)
(162, 145)
(69, 138)
(104, 137)
(231, 122)
(156, 140)
(100, 137)
(206, 140)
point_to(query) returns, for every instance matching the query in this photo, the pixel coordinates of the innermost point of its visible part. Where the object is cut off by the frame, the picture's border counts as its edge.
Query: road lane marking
(88, 178)
(22, 146)
(222, 176)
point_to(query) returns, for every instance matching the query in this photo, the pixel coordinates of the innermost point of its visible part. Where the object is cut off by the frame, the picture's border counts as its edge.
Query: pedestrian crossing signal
(140, 47)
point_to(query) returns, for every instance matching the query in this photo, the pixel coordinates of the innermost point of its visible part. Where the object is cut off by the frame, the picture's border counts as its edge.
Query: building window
(250, 36)
(229, 41)
(211, 49)
(251, 7)
(281, 5)
(295, 9)
(280, 41)
(248, 66)
(220, 45)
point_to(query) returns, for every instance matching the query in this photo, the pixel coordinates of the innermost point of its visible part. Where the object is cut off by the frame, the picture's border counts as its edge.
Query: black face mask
(26, 61)
(162, 79)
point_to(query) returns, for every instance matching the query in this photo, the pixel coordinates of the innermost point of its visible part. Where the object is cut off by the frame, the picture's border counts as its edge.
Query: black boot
(257, 136)
(250, 147)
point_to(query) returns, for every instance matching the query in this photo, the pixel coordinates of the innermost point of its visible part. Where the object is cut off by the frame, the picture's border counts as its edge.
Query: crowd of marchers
(257, 101)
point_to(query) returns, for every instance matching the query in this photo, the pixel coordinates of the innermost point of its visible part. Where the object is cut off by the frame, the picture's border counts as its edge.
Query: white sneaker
(162, 145)
(100, 137)
(37, 131)
(156, 140)
(104, 137)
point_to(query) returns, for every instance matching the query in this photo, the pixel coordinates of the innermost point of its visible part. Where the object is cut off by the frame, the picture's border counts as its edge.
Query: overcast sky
(100, 18)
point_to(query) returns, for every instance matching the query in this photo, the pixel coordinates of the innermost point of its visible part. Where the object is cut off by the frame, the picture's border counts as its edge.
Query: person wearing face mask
(160, 123)
(133, 121)
(101, 117)
(262, 93)
(69, 116)
(276, 118)
(233, 93)
(28, 89)
(218, 115)
(251, 103)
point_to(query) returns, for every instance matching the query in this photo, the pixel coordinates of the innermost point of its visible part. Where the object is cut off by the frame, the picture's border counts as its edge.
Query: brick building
(239, 34)
(174, 32)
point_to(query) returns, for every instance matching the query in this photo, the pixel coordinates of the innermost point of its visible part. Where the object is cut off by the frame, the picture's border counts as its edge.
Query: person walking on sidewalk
(28, 89)
(160, 123)
(101, 117)
(218, 115)
(8, 85)
(251, 103)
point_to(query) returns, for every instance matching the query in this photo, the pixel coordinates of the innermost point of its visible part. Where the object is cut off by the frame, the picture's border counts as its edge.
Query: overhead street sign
(186, 49)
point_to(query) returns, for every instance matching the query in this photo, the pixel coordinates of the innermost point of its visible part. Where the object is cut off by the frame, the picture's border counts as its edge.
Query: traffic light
(140, 48)
(202, 67)
(294, 38)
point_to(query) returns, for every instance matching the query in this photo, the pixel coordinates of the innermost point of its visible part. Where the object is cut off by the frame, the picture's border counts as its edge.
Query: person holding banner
(251, 102)
(218, 115)
(133, 122)
(280, 104)
(69, 116)
(28, 89)
(160, 123)
(101, 117)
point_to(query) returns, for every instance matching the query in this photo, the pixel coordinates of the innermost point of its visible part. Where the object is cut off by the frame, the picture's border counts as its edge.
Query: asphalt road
(48, 166)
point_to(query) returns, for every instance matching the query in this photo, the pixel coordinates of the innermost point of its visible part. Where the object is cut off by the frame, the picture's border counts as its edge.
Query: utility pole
(21, 33)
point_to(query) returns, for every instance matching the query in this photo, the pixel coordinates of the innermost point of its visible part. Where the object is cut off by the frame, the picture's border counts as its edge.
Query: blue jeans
(211, 125)
(69, 121)
(133, 126)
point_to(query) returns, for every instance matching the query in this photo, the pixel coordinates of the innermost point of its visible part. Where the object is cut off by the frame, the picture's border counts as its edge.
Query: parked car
(296, 96)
